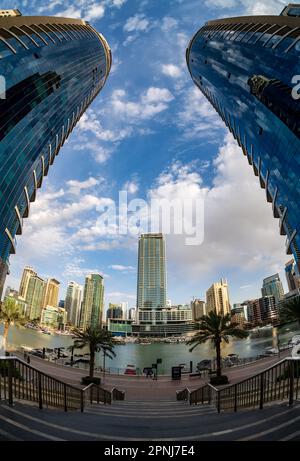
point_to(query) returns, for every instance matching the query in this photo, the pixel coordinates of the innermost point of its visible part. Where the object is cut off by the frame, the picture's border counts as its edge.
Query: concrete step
(23, 422)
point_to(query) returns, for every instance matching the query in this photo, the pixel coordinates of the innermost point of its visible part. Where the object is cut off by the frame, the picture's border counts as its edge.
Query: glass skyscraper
(53, 68)
(272, 286)
(151, 283)
(92, 305)
(247, 68)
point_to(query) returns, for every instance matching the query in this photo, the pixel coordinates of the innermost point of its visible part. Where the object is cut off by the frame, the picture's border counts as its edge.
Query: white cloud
(151, 102)
(75, 187)
(95, 11)
(169, 24)
(240, 231)
(198, 118)
(171, 70)
(70, 12)
(90, 123)
(72, 271)
(131, 187)
(136, 23)
(120, 295)
(120, 268)
(118, 3)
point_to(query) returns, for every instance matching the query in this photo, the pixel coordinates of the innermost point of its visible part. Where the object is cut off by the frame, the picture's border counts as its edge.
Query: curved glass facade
(53, 69)
(246, 67)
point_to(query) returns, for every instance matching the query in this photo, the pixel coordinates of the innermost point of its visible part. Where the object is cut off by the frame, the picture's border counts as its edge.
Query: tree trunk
(218, 351)
(5, 334)
(92, 363)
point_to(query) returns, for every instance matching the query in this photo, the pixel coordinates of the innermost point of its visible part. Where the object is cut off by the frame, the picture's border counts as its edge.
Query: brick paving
(142, 388)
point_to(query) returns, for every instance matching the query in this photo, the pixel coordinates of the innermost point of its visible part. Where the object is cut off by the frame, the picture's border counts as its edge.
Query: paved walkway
(141, 388)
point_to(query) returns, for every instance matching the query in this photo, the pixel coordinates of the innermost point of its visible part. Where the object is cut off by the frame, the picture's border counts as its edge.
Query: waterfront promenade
(142, 388)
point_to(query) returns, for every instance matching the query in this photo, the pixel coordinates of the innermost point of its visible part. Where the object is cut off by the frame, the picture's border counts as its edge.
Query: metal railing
(19, 380)
(117, 394)
(277, 383)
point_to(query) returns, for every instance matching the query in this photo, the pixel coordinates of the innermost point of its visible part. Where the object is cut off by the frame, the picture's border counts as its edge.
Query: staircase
(166, 421)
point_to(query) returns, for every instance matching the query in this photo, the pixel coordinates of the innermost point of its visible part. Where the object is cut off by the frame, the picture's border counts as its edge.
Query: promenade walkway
(142, 388)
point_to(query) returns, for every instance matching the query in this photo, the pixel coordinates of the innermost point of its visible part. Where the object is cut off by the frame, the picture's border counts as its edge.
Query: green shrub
(219, 380)
(86, 380)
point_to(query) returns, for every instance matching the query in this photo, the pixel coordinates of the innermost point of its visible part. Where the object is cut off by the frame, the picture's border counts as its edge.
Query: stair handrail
(117, 394)
(183, 394)
(213, 395)
(39, 386)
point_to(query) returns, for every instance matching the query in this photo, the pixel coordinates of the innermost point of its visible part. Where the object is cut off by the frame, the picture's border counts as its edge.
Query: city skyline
(218, 294)
(145, 103)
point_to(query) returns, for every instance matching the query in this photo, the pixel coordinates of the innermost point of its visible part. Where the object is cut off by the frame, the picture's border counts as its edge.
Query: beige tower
(28, 272)
(51, 293)
(217, 298)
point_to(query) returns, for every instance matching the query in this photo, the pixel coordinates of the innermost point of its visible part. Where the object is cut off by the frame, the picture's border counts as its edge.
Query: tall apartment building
(151, 283)
(198, 309)
(51, 293)
(73, 303)
(35, 297)
(28, 272)
(92, 305)
(272, 286)
(292, 275)
(217, 298)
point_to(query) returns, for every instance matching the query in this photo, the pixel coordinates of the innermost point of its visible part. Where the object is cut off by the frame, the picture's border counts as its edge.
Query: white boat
(271, 351)
(295, 340)
(26, 348)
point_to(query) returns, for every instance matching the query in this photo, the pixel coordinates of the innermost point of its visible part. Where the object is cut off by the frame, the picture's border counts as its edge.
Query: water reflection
(144, 355)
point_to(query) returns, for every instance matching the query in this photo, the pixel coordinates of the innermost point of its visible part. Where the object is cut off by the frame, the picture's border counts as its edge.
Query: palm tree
(216, 328)
(10, 315)
(290, 311)
(97, 340)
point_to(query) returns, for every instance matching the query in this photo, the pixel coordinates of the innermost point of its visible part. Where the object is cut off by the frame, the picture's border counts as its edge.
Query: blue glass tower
(247, 68)
(52, 68)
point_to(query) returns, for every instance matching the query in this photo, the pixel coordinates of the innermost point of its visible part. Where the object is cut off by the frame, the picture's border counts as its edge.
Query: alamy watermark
(182, 216)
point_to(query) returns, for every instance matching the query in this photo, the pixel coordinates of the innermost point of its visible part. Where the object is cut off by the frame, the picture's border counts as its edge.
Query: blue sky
(152, 133)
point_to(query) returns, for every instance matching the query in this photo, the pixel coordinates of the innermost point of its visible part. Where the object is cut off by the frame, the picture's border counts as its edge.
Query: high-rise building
(53, 316)
(35, 297)
(114, 311)
(132, 314)
(241, 306)
(92, 305)
(27, 273)
(246, 67)
(51, 293)
(262, 311)
(151, 283)
(53, 69)
(217, 298)
(292, 275)
(272, 286)
(268, 309)
(254, 314)
(73, 303)
(198, 309)
(125, 308)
